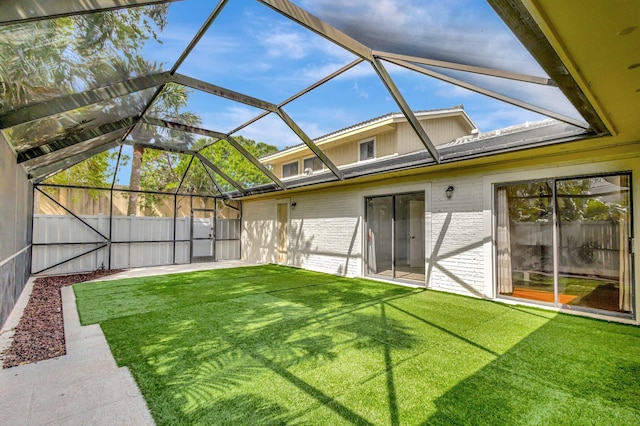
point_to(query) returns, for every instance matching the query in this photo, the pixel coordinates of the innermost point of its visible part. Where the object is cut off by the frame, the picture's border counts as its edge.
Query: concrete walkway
(85, 386)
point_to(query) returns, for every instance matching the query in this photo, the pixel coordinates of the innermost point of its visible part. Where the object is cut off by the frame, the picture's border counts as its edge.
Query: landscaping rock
(40, 333)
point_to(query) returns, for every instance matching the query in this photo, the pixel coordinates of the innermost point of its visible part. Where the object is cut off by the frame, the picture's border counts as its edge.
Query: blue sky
(256, 51)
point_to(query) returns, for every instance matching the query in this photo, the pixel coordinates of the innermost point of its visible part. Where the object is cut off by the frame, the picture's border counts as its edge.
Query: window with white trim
(367, 150)
(311, 165)
(290, 169)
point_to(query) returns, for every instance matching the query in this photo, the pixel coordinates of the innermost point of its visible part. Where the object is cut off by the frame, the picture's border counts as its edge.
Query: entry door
(283, 234)
(203, 238)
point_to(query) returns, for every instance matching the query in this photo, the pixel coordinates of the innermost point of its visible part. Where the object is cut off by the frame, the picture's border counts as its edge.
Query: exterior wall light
(449, 191)
(293, 205)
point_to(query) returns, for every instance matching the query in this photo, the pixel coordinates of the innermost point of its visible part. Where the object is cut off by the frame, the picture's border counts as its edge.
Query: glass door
(203, 235)
(395, 237)
(566, 242)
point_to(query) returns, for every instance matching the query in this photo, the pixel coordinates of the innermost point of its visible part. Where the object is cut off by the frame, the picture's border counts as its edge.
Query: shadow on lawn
(283, 356)
(209, 361)
(571, 370)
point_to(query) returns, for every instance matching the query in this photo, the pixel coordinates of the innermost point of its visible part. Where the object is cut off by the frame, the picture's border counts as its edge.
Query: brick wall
(325, 231)
(457, 231)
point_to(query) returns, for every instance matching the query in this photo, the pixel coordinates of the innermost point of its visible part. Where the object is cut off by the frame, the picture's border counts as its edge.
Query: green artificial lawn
(276, 345)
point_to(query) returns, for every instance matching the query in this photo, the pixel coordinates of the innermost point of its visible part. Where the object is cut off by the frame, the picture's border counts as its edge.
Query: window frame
(297, 163)
(313, 171)
(366, 141)
(556, 247)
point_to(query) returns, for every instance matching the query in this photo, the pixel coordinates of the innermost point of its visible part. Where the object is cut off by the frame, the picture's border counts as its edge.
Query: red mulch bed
(40, 333)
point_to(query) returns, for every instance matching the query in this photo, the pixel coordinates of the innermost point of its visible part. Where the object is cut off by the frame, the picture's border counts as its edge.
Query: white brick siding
(325, 231)
(259, 238)
(457, 232)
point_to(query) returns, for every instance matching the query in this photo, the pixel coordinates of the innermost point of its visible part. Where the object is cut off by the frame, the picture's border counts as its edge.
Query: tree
(96, 171)
(170, 102)
(232, 162)
(53, 57)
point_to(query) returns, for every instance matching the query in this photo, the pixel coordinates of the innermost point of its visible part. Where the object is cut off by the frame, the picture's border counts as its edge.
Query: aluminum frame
(514, 14)
(108, 241)
(44, 109)
(406, 110)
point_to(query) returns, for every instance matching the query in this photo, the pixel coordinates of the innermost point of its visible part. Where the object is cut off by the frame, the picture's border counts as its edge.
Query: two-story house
(380, 138)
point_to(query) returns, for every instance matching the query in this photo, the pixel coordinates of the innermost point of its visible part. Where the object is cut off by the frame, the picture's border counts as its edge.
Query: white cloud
(362, 93)
(503, 116)
(285, 44)
(271, 129)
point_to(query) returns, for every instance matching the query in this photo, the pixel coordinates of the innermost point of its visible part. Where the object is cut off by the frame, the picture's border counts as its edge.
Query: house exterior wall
(327, 229)
(319, 238)
(259, 236)
(402, 140)
(439, 130)
(15, 229)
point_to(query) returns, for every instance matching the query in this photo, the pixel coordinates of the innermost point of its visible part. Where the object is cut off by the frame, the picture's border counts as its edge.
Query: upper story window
(290, 169)
(312, 164)
(367, 150)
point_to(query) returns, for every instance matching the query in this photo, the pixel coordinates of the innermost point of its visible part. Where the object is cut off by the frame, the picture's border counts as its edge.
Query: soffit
(599, 43)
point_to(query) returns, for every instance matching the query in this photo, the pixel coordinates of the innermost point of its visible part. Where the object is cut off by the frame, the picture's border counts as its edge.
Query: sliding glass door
(566, 242)
(395, 237)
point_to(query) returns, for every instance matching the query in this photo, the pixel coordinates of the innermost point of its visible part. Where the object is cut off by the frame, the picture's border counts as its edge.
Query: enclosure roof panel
(288, 73)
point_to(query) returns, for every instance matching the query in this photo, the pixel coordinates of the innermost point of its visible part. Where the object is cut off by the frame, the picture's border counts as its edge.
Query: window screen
(367, 150)
(290, 169)
(312, 165)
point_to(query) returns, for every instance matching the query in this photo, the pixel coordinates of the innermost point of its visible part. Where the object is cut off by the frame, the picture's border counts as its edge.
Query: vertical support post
(175, 215)
(109, 247)
(33, 218)
(215, 227)
(555, 239)
(393, 237)
(191, 229)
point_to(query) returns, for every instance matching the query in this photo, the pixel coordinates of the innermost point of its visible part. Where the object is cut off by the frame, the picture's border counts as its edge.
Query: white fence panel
(67, 229)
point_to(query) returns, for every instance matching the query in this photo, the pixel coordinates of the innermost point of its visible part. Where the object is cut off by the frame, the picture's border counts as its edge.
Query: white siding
(326, 225)
(324, 232)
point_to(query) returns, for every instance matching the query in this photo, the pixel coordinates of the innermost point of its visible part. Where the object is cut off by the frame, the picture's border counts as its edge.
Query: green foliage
(96, 171)
(50, 58)
(233, 163)
(532, 201)
(275, 345)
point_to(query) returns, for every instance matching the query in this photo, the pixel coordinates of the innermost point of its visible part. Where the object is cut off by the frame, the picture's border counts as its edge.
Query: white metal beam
(312, 146)
(406, 110)
(490, 93)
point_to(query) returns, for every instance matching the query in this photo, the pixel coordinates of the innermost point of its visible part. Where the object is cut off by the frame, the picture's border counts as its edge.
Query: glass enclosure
(566, 242)
(395, 237)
